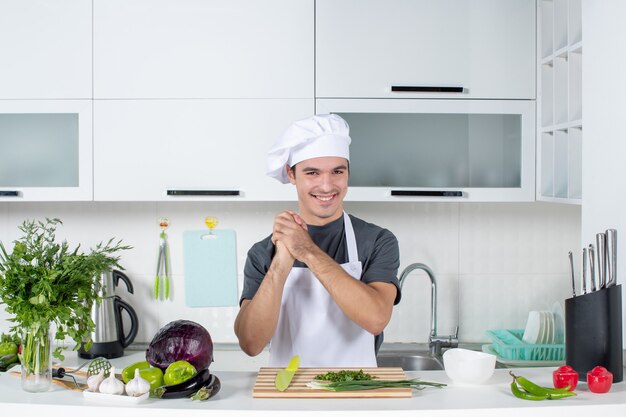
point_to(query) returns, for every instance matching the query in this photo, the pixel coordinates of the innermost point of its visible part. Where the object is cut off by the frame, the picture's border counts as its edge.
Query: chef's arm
(368, 305)
(256, 322)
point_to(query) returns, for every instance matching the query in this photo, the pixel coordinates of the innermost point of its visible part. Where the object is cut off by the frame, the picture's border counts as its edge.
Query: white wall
(494, 262)
(604, 140)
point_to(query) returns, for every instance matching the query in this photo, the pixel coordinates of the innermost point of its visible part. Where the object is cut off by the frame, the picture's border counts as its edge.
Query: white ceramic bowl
(467, 366)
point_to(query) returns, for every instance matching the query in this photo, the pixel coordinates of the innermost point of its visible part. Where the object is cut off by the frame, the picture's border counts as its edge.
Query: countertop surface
(235, 398)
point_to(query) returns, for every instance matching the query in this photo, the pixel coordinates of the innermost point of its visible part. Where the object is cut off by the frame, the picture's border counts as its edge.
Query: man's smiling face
(322, 184)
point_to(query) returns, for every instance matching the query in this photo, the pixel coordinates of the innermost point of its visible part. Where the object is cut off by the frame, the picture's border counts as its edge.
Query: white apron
(313, 326)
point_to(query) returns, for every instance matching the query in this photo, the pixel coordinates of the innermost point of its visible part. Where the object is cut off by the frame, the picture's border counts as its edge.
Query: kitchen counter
(235, 399)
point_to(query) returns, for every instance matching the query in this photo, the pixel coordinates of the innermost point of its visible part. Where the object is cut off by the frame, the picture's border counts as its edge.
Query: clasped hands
(290, 233)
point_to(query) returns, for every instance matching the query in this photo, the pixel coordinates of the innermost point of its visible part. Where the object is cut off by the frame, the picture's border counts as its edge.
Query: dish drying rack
(508, 344)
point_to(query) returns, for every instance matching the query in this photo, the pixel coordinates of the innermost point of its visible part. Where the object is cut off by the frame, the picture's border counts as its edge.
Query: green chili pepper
(525, 389)
(525, 395)
(559, 395)
(536, 389)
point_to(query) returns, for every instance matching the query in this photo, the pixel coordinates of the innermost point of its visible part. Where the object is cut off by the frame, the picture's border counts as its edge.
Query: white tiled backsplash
(493, 261)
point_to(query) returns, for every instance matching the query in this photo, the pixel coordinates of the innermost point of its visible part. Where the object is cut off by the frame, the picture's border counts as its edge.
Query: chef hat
(316, 136)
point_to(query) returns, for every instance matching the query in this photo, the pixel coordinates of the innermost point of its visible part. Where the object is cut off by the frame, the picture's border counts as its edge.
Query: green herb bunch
(43, 283)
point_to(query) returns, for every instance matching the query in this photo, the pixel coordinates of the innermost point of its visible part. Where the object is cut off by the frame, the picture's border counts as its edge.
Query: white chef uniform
(311, 324)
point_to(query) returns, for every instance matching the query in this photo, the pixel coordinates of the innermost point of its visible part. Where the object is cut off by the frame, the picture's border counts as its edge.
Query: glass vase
(36, 359)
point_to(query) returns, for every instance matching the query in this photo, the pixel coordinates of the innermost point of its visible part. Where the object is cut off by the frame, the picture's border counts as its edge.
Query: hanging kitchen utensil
(162, 289)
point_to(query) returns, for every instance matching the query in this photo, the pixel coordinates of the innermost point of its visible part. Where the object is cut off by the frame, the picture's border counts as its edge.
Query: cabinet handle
(425, 89)
(9, 193)
(214, 193)
(419, 193)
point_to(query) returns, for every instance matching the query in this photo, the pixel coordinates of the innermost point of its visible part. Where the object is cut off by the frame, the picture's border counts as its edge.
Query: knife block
(593, 332)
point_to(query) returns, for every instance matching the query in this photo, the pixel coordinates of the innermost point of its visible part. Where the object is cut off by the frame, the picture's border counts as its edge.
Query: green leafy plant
(45, 286)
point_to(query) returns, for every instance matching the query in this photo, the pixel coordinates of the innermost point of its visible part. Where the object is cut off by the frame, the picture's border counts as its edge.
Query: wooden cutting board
(264, 385)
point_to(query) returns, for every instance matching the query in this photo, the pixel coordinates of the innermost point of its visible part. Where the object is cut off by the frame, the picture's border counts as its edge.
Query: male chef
(324, 283)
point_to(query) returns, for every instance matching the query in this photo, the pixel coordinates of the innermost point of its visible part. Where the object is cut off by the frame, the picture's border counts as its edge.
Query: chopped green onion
(345, 375)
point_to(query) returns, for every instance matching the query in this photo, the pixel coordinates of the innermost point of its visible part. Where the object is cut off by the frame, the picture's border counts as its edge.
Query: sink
(410, 361)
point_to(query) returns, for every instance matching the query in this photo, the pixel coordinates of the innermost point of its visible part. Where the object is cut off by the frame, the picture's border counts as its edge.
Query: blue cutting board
(210, 268)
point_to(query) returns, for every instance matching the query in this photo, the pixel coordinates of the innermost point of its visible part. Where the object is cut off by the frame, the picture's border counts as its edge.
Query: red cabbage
(181, 340)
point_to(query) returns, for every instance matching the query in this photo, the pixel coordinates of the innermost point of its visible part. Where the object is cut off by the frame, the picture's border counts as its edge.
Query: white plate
(111, 398)
(543, 334)
(559, 323)
(545, 328)
(532, 331)
(551, 327)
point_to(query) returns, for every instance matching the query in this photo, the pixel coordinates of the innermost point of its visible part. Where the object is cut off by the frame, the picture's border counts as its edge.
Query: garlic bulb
(137, 386)
(112, 385)
(94, 381)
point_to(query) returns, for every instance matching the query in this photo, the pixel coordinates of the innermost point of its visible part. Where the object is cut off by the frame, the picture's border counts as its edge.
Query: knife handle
(601, 252)
(592, 267)
(611, 255)
(571, 271)
(584, 272)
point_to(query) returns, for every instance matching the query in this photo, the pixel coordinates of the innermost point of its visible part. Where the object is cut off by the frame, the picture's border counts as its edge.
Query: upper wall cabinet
(45, 49)
(203, 49)
(185, 150)
(425, 49)
(439, 150)
(45, 150)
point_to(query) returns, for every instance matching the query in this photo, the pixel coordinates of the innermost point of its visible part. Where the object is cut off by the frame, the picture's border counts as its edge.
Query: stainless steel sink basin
(410, 361)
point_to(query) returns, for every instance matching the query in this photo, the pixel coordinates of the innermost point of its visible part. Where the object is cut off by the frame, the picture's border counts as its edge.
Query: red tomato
(565, 376)
(599, 380)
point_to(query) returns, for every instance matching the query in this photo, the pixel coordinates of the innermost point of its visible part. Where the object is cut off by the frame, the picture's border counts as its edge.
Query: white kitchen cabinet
(190, 150)
(559, 108)
(45, 49)
(45, 150)
(366, 47)
(203, 49)
(439, 150)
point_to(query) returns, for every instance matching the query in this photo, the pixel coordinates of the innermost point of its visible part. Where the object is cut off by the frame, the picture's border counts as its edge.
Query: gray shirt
(377, 250)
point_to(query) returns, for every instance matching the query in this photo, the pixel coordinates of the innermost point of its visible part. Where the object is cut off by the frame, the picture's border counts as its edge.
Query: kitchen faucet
(435, 342)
